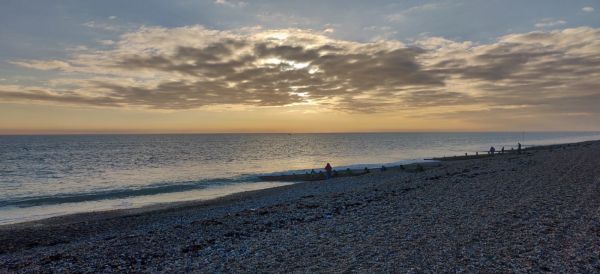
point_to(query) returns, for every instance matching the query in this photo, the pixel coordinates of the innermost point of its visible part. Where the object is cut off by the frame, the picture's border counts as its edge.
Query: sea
(53, 175)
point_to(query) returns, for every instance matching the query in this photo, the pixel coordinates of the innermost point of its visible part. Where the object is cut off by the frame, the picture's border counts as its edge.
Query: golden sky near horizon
(55, 119)
(50, 119)
(267, 77)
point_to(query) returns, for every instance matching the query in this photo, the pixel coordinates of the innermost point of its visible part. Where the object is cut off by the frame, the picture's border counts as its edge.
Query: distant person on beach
(502, 150)
(328, 170)
(492, 150)
(519, 148)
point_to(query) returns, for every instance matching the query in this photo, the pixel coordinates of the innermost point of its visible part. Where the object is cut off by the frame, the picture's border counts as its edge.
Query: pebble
(542, 214)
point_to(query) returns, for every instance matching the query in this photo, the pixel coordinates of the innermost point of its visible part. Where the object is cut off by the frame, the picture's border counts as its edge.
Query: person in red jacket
(328, 170)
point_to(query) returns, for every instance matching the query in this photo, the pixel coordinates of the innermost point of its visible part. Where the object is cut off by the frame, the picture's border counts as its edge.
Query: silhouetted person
(383, 168)
(502, 150)
(367, 170)
(492, 150)
(328, 170)
(519, 149)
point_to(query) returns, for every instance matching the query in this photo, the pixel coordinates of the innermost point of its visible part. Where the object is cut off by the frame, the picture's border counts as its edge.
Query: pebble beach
(538, 211)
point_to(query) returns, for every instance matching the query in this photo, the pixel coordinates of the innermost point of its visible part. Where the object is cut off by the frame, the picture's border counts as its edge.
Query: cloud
(111, 25)
(587, 9)
(541, 73)
(100, 25)
(381, 32)
(231, 4)
(78, 48)
(106, 42)
(194, 67)
(550, 23)
(400, 16)
(537, 74)
(278, 18)
(43, 64)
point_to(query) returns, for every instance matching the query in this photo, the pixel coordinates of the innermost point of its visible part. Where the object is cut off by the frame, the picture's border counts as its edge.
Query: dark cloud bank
(540, 72)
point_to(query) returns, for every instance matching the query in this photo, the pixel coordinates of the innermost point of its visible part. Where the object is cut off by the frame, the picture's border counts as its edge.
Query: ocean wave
(154, 189)
(162, 188)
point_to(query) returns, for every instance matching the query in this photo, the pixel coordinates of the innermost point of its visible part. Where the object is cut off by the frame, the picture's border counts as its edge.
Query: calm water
(42, 176)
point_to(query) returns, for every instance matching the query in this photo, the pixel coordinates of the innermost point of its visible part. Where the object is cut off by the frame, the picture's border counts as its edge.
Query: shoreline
(258, 219)
(22, 208)
(274, 177)
(73, 217)
(174, 206)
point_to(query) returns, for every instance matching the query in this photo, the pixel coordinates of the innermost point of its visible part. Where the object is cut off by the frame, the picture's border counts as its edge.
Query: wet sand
(536, 211)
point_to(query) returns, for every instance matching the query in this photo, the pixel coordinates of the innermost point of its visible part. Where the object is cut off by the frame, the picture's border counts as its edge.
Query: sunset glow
(302, 72)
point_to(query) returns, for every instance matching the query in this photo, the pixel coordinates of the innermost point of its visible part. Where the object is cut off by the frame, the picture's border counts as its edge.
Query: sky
(191, 66)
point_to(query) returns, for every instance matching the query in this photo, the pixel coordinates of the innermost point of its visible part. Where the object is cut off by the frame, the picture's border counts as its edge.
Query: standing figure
(492, 150)
(502, 150)
(519, 149)
(328, 170)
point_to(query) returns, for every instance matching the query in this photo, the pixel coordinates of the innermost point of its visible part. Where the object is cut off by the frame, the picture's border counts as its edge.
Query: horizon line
(291, 133)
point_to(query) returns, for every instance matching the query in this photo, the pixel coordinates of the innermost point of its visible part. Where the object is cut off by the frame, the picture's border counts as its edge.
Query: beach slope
(535, 211)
